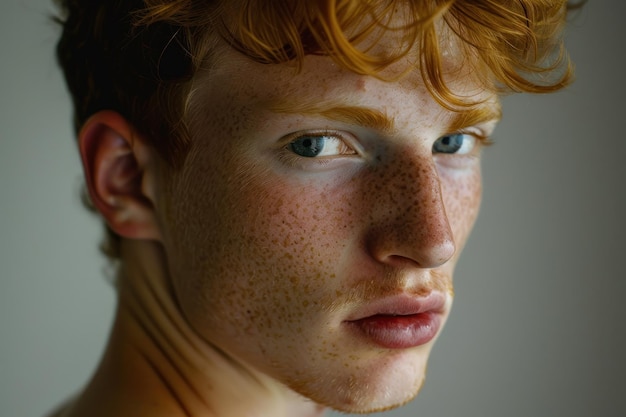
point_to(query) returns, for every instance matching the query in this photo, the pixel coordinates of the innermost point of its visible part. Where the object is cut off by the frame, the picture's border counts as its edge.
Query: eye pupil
(308, 146)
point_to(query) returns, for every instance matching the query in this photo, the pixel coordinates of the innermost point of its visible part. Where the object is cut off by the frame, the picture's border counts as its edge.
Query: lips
(399, 322)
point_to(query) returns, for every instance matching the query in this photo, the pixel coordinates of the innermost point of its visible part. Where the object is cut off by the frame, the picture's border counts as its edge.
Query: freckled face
(284, 225)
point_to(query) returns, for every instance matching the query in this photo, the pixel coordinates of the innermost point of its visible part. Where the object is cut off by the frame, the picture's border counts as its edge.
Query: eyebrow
(355, 115)
(381, 121)
(473, 116)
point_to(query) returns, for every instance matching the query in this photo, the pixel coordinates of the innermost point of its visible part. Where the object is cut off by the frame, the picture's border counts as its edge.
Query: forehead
(321, 84)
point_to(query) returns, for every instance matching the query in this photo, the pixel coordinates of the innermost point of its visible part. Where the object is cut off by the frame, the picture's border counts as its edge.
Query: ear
(116, 161)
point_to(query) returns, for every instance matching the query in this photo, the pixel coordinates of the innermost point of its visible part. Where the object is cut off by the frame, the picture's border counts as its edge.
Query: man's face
(314, 228)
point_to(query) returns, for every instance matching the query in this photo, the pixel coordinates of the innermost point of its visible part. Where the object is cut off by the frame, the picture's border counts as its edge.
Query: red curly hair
(139, 57)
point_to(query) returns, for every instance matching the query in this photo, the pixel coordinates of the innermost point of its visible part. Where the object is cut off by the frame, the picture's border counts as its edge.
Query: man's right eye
(313, 146)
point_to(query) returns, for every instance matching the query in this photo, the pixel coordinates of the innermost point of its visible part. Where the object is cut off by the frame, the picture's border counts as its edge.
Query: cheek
(252, 248)
(295, 237)
(462, 193)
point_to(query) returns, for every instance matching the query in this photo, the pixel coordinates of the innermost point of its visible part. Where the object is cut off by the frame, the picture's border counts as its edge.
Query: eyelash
(481, 140)
(290, 158)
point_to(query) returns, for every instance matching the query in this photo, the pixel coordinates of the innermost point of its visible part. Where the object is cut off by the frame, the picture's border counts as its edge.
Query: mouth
(400, 322)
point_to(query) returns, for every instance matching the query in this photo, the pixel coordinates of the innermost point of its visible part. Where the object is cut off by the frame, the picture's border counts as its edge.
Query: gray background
(538, 325)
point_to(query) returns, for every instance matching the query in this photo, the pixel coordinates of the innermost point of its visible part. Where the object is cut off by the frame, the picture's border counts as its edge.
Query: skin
(244, 266)
(278, 251)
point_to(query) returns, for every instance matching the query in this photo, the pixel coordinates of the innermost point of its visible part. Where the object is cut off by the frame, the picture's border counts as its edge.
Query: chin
(384, 400)
(382, 384)
(377, 399)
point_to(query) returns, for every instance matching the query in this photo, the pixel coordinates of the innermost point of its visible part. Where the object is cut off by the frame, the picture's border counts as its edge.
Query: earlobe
(116, 175)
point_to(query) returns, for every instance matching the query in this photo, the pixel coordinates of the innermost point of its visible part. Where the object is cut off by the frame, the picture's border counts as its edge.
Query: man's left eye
(313, 146)
(456, 143)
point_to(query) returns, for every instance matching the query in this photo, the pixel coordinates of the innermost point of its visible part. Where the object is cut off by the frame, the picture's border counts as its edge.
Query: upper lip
(401, 305)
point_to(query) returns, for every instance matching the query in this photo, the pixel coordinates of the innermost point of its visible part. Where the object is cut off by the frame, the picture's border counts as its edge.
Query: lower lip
(399, 332)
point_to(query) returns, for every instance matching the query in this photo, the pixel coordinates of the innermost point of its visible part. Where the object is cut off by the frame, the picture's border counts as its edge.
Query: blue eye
(456, 143)
(312, 146)
(308, 146)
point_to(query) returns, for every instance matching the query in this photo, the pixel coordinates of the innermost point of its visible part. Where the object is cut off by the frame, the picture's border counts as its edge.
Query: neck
(156, 365)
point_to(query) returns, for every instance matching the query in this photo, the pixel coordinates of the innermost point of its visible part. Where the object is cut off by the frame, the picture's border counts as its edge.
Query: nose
(409, 220)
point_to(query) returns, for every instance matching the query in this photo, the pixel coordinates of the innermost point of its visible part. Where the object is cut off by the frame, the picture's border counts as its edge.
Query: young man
(287, 187)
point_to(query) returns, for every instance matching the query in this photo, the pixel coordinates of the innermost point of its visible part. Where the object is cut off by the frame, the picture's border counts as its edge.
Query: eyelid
(311, 132)
(483, 137)
(475, 140)
(348, 138)
(291, 159)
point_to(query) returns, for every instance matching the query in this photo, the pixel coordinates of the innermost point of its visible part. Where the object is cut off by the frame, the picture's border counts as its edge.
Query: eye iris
(308, 146)
(449, 143)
